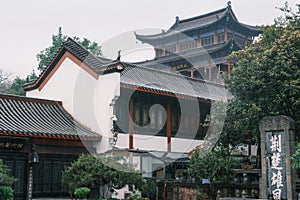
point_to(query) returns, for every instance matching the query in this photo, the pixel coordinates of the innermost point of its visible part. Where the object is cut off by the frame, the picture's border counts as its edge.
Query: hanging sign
(12, 144)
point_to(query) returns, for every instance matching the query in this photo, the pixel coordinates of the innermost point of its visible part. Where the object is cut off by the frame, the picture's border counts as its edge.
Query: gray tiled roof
(205, 50)
(23, 116)
(84, 55)
(137, 76)
(198, 22)
(171, 83)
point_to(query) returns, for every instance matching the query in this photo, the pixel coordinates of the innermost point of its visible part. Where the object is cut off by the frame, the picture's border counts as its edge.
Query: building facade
(38, 138)
(199, 46)
(82, 103)
(105, 95)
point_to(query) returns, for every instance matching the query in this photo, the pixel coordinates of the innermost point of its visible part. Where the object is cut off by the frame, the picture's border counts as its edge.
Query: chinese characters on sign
(11, 144)
(276, 165)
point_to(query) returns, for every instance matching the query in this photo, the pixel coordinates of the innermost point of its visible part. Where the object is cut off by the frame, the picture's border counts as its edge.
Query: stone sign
(276, 165)
(277, 144)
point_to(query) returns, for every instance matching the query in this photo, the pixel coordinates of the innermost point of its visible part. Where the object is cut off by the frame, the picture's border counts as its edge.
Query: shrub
(5, 179)
(6, 193)
(99, 170)
(82, 192)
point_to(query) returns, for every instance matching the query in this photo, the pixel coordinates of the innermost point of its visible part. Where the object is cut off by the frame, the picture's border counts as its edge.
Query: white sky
(27, 26)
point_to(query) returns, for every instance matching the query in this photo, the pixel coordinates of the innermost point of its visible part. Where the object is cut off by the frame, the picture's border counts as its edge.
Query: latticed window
(170, 49)
(208, 40)
(145, 115)
(158, 52)
(137, 113)
(221, 37)
(152, 118)
(188, 45)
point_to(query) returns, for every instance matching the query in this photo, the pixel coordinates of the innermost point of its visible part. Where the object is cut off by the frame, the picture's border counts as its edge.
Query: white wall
(106, 92)
(90, 101)
(84, 97)
(184, 145)
(155, 143)
(61, 85)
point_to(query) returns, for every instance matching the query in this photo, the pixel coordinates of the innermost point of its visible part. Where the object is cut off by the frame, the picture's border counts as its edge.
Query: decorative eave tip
(177, 20)
(119, 56)
(229, 5)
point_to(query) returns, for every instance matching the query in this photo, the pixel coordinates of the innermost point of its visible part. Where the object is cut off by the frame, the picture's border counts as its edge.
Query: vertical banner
(276, 165)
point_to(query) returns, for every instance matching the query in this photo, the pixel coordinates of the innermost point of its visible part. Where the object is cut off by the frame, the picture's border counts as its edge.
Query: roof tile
(39, 118)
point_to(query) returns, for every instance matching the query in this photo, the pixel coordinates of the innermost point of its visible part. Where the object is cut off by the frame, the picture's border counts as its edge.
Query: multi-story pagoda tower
(199, 46)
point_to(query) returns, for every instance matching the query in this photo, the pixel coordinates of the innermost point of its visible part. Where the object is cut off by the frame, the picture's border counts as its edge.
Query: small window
(170, 49)
(158, 52)
(221, 37)
(137, 114)
(208, 40)
(188, 45)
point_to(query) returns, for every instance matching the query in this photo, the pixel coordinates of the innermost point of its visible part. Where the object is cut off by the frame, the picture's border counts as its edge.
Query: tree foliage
(296, 157)
(99, 170)
(5, 82)
(9, 86)
(46, 55)
(265, 80)
(6, 193)
(215, 166)
(5, 178)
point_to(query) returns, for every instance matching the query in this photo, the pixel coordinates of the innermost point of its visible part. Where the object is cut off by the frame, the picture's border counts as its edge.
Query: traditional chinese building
(38, 138)
(199, 46)
(156, 117)
(105, 95)
(137, 108)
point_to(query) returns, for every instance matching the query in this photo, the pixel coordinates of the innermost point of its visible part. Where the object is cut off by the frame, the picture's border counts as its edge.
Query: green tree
(5, 82)
(215, 166)
(99, 170)
(46, 55)
(296, 157)
(5, 178)
(265, 80)
(14, 87)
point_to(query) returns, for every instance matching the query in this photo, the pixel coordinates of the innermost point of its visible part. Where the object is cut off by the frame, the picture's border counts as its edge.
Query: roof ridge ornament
(177, 20)
(229, 4)
(119, 55)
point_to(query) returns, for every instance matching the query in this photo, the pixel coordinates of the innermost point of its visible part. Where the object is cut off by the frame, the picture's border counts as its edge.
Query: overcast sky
(27, 26)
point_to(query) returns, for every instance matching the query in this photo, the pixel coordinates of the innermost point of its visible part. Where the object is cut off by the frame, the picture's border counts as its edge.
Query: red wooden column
(199, 41)
(169, 126)
(131, 121)
(192, 72)
(216, 37)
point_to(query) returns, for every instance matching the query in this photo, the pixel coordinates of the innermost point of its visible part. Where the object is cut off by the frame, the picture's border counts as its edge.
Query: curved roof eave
(171, 32)
(79, 52)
